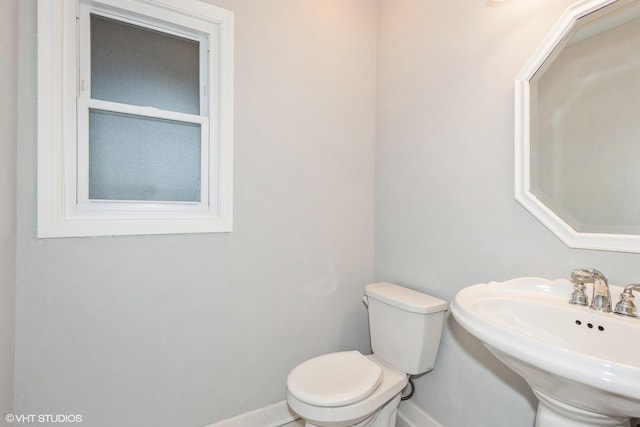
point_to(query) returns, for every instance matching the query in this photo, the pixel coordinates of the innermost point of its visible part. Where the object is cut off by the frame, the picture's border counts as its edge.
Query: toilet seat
(393, 381)
(334, 379)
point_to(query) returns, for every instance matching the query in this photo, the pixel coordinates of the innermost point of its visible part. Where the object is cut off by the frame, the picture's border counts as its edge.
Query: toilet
(349, 389)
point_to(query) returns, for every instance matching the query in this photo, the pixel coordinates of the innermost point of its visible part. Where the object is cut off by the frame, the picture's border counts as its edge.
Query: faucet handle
(578, 296)
(579, 277)
(626, 306)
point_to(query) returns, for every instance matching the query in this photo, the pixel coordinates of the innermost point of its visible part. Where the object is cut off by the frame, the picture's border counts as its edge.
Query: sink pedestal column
(553, 413)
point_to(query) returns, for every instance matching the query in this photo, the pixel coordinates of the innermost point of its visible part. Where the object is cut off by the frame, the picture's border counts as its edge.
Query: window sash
(208, 162)
(207, 61)
(84, 203)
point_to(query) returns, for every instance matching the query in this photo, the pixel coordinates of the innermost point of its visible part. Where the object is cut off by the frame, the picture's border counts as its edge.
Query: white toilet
(347, 389)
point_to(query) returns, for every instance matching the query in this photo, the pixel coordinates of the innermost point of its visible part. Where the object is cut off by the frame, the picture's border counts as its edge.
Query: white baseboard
(409, 415)
(279, 414)
(274, 415)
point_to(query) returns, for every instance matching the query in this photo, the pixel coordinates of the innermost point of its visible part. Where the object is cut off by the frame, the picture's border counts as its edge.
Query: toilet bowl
(345, 389)
(348, 389)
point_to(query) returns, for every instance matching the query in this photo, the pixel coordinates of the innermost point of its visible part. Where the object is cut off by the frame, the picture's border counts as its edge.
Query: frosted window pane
(137, 66)
(139, 158)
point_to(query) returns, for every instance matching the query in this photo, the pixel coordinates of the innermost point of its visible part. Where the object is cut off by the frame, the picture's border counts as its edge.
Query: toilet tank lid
(405, 298)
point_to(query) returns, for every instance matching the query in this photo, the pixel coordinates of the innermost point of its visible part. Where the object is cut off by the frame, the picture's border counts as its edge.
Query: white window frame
(64, 208)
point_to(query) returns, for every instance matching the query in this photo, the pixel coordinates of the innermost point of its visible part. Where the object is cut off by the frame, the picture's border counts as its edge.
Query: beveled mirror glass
(578, 127)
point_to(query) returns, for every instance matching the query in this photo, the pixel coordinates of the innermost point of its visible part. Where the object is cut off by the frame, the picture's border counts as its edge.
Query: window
(134, 117)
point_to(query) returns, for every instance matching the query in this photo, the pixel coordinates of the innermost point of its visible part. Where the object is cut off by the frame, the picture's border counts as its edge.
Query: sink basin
(583, 365)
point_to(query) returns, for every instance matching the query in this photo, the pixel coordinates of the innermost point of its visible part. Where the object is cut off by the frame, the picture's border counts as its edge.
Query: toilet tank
(405, 326)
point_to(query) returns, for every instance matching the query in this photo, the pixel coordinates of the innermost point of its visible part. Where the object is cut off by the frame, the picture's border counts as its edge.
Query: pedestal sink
(583, 365)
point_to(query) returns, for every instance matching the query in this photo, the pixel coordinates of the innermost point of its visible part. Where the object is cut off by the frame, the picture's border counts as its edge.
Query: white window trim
(62, 211)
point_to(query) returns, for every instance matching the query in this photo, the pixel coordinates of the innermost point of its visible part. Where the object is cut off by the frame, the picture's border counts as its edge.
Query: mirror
(578, 127)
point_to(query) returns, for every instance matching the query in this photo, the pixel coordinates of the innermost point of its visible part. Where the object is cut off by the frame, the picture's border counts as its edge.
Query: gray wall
(445, 213)
(186, 330)
(8, 101)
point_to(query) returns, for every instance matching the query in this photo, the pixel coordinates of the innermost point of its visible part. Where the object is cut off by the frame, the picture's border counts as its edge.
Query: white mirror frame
(566, 233)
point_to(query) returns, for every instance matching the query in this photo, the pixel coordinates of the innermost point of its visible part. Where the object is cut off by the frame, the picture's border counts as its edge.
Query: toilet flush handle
(365, 300)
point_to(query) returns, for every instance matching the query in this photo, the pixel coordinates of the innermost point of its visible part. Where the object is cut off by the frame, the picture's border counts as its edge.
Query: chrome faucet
(601, 297)
(625, 306)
